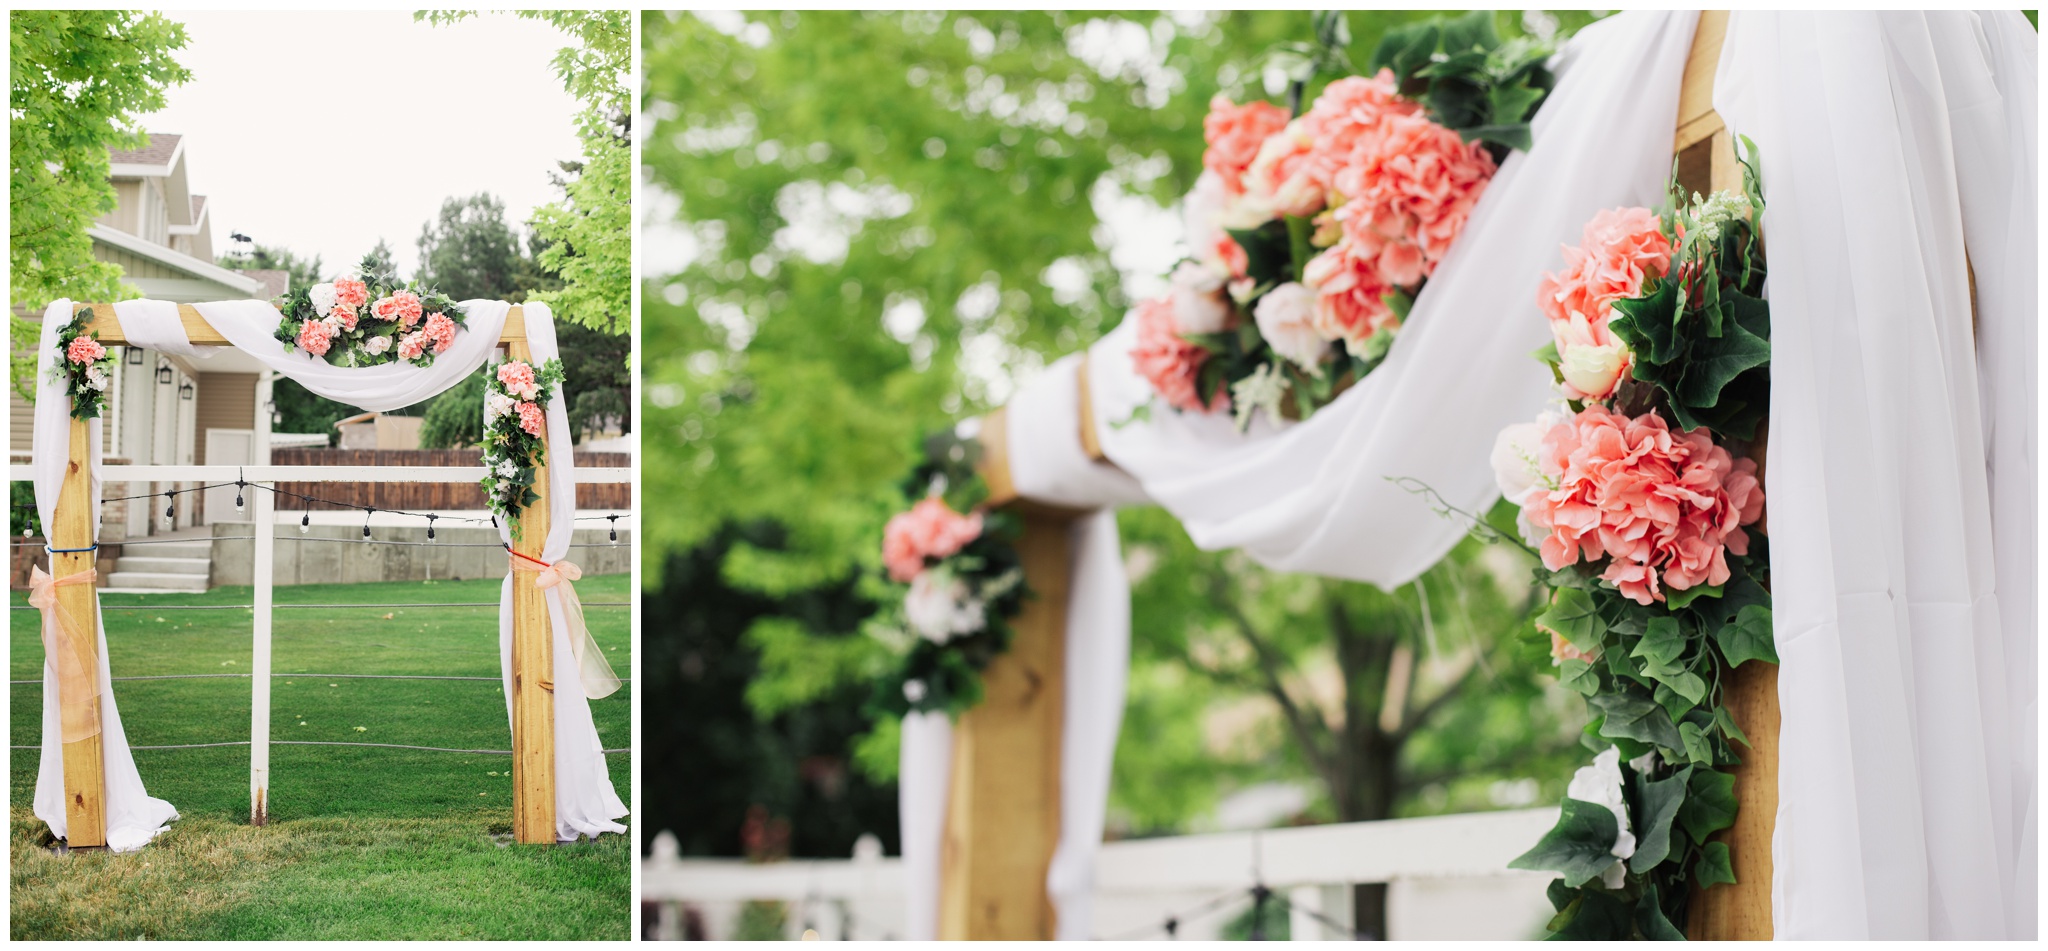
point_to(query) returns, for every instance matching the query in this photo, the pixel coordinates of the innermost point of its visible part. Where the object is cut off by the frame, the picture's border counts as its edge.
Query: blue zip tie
(69, 551)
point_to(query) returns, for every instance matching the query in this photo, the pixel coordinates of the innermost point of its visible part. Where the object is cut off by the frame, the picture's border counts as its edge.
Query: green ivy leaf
(1579, 847)
(1675, 599)
(1636, 718)
(1726, 722)
(1561, 895)
(1714, 362)
(1662, 643)
(1659, 806)
(1578, 676)
(1673, 702)
(1574, 616)
(1714, 866)
(1748, 637)
(1709, 804)
(1697, 749)
(1599, 916)
(1650, 920)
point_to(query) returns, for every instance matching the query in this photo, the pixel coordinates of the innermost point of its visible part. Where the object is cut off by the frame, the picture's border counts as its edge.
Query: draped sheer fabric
(1902, 463)
(1316, 496)
(586, 801)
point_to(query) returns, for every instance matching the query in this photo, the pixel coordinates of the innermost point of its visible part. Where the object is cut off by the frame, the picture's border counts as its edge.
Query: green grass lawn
(363, 843)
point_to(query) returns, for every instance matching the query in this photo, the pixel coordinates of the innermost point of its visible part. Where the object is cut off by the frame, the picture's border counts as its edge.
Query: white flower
(913, 691)
(323, 298)
(507, 470)
(96, 377)
(1600, 784)
(496, 405)
(1287, 319)
(376, 345)
(1723, 207)
(1198, 304)
(1298, 195)
(940, 605)
(1591, 369)
(1263, 389)
(1514, 459)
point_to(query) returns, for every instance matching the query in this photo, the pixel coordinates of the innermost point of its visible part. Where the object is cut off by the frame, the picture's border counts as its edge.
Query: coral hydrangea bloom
(532, 419)
(1349, 118)
(350, 293)
(518, 379)
(402, 306)
(316, 337)
(1351, 293)
(439, 331)
(1664, 507)
(928, 530)
(1415, 181)
(84, 349)
(343, 315)
(1619, 250)
(411, 346)
(1235, 134)
(1168, 361)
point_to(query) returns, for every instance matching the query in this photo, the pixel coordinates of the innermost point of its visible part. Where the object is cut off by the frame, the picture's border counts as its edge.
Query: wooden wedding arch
(71, 538)
(1002, 813)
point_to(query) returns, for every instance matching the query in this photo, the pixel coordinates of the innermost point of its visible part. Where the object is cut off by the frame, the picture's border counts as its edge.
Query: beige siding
(135, 266)
(226, 401)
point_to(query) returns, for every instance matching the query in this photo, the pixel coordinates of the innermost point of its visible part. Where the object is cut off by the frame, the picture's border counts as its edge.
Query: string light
(306, 520)
(367, 512)
(170, 508)
(239, 484)
(430, 528)
(615, 528)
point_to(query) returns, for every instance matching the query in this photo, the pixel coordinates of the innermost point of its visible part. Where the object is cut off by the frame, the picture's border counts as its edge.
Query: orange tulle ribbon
(591, 667)
(65, 644)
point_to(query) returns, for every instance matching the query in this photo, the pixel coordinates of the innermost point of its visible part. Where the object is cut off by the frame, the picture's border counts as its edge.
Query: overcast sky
(322, 132)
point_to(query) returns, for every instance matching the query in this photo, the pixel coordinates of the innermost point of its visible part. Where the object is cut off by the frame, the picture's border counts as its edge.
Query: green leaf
(1548, 355)
(1405, 49)
(1599, 917)
(1573, 616)
(1578, 676)
(1709, 804)
(1650, 920)
(1697, 749)
(1726, 721)
(1301, 248)
(1560, 895)
(1662, 643)
(1269, 253)
(1579, 847)
(1676, 599)
(1673, 702)
(1714, 867)
(1513, 135)
(1470, 32)
(1649, 325)
(1747, 637)
(1714, 362)
(1512, 102)
(1659, 806)
(1636, 718)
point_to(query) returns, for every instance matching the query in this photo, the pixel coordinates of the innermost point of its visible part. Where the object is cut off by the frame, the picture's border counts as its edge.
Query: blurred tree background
(858, 227)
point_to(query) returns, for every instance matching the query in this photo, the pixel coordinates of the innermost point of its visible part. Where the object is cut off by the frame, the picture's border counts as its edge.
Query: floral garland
(515, 434)
(1642, 504)
(366, 318)
(964, 580)
(83, 362)
(1312, 233)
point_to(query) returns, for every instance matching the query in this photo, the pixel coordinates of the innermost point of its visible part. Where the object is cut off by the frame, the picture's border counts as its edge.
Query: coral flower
(84, 349)
(928, 530)
(1170, 362)
(1235, 134)
(316, 337)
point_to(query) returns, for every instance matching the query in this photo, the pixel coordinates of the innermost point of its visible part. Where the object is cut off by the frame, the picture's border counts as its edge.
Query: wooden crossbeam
(107, 328)
(533, 717)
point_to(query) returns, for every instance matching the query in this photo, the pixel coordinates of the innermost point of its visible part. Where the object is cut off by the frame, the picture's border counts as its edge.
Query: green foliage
(1472, 82)
(456, 416)
(469, 252)
(304, 272)
(23, 520)
(587, 237)
(87, 401)
(1581, 845)
(81, 82)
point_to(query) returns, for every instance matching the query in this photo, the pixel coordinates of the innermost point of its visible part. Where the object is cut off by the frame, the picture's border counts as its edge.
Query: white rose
(1287, 319)
(377, 345)
(914, 691)
(96, 378)
(1514, 459)
(496, 405)
(1600, 784)
(940, 606)
(323, 298)
(1198, 304)
(1591, 367)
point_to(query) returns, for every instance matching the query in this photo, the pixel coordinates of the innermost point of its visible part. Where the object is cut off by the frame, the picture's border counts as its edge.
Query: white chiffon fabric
(586, 801)
(1320, 496)
(133, 818)
(1902, 463)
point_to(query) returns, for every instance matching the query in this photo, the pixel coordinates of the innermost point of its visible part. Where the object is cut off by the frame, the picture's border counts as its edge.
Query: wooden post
(85, 774)
(533, 671)
(1003, 805)
(263, 512)
(1740, 912)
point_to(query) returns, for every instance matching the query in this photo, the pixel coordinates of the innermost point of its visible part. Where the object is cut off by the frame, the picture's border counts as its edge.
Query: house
(380, 431)
(167, 410)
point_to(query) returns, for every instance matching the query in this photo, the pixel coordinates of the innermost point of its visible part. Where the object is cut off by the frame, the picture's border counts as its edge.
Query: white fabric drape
(1316, 496)
(1902, 463)
(586, 803)
(585, 800)
(133, 818)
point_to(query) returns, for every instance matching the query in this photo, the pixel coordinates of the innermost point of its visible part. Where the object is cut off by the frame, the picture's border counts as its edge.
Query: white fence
(263, 512)
(1448, 878)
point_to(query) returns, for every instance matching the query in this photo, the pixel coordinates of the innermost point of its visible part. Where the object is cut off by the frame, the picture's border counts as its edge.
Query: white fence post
(263, 512)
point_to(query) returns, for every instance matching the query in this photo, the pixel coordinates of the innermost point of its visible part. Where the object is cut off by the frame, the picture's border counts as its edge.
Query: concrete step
(156, 565)
(201, 548)
(151, 580)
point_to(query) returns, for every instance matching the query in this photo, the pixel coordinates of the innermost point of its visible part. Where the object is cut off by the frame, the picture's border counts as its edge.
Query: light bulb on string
(615, 528)
(367, 512)
(430, 528)
(306, 520)
(170, 508)
(238, 495)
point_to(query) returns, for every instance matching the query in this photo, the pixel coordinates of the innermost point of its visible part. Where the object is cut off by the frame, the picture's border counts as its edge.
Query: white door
(228, 447)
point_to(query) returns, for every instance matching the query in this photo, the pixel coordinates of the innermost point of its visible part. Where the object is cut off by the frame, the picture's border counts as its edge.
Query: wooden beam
(107, 327)
(1697, 120)
(85, 774)
(1003, 810)
(533, 672)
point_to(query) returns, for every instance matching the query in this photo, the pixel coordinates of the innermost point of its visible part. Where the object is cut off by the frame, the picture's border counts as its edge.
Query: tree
(82, 80)
(469, 251)
(589, 233)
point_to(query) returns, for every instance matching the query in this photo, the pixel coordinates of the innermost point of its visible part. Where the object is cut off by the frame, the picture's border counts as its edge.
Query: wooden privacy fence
(430, 496)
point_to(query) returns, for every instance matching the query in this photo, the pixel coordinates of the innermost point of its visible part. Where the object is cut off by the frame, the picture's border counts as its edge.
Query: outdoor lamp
(134, 356)
(185, 390)
(163, 373)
